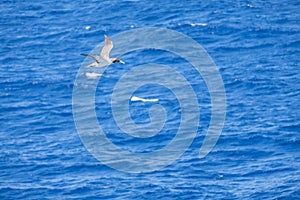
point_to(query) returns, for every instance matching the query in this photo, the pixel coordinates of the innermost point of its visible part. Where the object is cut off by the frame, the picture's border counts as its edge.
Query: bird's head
(114, 60)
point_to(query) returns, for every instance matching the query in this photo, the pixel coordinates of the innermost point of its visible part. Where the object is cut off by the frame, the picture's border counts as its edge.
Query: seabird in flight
(104, 54)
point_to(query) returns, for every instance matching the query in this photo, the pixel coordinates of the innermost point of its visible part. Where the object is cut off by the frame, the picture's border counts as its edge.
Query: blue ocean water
(255, 45)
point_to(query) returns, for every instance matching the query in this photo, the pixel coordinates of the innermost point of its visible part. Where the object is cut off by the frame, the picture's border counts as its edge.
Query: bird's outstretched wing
(107, 48)
(91, 55)
(94, 64)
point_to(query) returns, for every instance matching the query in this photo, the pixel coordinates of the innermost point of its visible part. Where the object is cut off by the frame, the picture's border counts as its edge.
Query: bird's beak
(121, 61)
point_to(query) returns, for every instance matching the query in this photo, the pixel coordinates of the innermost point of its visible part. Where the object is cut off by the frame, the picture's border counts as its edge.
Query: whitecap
(134, 98)
(92, 75)
(199, 24)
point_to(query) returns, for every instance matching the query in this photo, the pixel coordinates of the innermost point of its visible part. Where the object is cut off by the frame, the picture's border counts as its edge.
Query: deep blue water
(255, 45)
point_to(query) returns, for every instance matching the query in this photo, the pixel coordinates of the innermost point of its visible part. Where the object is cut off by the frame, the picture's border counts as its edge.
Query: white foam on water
(199, 24)
(134, 98)
(92, 75)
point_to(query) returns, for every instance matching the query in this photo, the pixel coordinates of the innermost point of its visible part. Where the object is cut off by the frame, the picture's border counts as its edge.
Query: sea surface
(255, 45)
